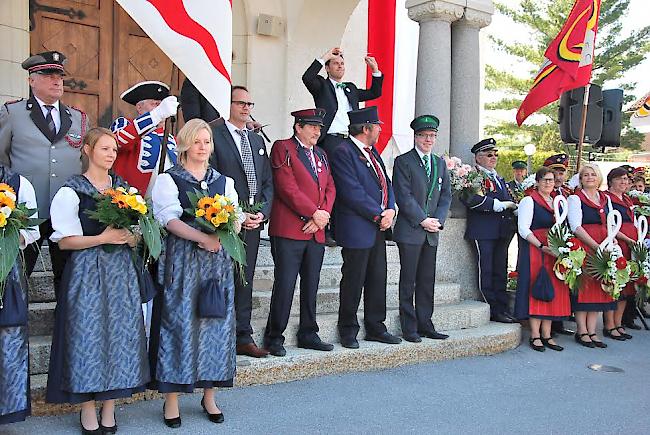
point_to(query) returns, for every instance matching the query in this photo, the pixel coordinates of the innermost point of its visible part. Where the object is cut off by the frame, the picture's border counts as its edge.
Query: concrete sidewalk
(518, 392)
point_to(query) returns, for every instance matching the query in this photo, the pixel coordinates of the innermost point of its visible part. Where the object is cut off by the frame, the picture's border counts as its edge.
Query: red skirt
(629, 230)
(560, 306)
(591, 296)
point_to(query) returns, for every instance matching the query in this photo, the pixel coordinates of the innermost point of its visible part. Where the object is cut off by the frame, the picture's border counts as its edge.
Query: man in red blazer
(303, 198)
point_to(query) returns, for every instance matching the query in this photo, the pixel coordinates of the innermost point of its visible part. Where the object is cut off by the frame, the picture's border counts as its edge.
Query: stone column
(433, 83)
(466, 83)
(14, 34)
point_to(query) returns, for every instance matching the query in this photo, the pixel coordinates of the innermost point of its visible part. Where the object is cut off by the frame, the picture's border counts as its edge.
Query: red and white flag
(197, 36)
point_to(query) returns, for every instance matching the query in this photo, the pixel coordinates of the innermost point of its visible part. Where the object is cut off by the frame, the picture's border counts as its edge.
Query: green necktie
(340, 85)
(427, 166)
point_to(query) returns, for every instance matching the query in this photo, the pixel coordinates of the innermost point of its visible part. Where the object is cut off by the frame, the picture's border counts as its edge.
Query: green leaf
(151, 235)
(9, 250)
(233, 245)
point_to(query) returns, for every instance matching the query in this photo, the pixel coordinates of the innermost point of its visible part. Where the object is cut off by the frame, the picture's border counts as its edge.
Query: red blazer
(298, 190)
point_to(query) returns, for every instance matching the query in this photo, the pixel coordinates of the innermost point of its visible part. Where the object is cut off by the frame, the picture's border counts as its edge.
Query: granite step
(488, 339)
(446, 317)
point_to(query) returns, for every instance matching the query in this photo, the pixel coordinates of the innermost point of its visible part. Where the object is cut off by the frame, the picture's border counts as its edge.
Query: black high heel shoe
(581, 342)
(597, 343)
(538, 348)
(552, 346)
(85, 431)
(214, 418)
(608, 333)
(173, 423)
(623, 333)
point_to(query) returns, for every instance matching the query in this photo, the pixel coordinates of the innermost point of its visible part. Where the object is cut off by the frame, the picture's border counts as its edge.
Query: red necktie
(380, 175)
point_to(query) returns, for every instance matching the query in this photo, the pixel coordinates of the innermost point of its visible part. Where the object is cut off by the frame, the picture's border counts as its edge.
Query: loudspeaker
(612, 108)
(570, 115)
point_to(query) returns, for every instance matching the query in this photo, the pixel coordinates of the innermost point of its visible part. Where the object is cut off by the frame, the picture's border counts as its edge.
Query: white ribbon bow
(641, 228)
(560, 210)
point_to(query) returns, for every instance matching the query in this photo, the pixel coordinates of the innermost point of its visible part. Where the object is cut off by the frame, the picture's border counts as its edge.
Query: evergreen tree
(615, 54)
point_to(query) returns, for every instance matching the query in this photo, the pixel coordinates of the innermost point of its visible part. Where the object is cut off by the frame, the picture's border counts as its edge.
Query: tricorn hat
(149, 90)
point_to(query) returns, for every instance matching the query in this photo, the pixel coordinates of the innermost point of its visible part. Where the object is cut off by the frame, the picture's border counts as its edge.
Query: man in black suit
(195, 105)
(241, 155)
(423, 196)
(337, 98)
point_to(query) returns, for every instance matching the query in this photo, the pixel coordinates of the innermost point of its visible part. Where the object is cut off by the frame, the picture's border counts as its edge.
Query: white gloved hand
(498, 206)
(167, 107)
(510, 204)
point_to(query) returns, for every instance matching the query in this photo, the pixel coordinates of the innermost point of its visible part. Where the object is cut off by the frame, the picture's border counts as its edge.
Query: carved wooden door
(83, 31)
(107, 53)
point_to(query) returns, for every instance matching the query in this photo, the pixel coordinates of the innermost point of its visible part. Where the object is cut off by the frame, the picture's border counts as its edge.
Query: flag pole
(583, 125)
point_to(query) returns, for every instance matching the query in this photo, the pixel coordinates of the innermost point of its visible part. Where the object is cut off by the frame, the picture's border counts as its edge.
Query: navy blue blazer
(483, 223)
(358, 196)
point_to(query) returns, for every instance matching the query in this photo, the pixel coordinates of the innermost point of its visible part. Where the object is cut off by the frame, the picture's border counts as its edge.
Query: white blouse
(64, 213)
(525, 216)
(27, 196)
(167, 206)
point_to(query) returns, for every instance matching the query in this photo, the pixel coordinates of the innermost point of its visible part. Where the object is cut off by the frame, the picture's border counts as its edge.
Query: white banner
(197, 36)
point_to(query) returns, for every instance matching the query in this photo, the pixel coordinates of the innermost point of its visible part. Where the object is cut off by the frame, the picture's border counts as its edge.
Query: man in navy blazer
(423, 195)
(336, 96)
(364, 212)
(241, 155)
(489, 223)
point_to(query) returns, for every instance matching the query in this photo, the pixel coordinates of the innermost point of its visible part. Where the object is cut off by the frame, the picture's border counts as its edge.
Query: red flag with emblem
(196, 35)
(568, 60)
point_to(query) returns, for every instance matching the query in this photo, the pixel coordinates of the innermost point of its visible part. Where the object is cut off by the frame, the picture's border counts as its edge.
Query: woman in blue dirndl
(99, 348)
(14, 355)
(186, 350)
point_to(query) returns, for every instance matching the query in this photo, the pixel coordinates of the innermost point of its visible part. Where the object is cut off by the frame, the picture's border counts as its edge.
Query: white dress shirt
(235, 136)
(27, 196)
(525, 216)
(167, 206)
(311, 155)
(56, 114)
(361, 146)
(341, 122)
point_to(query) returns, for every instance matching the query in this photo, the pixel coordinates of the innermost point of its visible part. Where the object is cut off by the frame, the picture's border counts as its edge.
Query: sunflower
(3, 220)
(120, 200)
(111, 192)
(210, 213)
(6, 200)
(229, 208)
(6, 188)
(205, 203)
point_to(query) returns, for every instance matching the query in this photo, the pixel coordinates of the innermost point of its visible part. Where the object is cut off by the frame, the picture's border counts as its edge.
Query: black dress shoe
(214, 418)
(85, 431)
(276, 349)
(173, 423)
(329, 241)
(316, 344)
(107, 429)
(608, 333)
(434, 335)
(624, 334)
(537, 347)
(501, 318)
(384, 337)
(412, 337)
(580, 341)
(564, 331)
(631, 325)
(597, 343)
(350, 343)
(555, 347)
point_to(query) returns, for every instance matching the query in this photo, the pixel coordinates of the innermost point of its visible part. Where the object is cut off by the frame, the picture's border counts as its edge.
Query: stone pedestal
(14, 34)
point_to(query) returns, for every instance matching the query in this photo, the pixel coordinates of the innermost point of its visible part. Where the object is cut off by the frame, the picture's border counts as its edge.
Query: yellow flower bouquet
(13, 218)
(218, 215)
(124, 207)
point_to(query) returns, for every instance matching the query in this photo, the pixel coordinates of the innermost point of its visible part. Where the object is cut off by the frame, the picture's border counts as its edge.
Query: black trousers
(57, 256)
(493, 271)
(244, 292)
(417, 277)
(291, 258)
(363, 269)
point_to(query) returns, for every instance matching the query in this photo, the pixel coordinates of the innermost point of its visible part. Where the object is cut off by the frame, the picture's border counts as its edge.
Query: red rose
(621, 263)
(562, 268)
(575, 242)
(642, 280)
(514, 274)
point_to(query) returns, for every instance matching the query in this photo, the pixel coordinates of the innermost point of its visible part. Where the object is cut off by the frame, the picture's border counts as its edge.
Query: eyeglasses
(427, 136)
(547, 180)
(243, 103)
